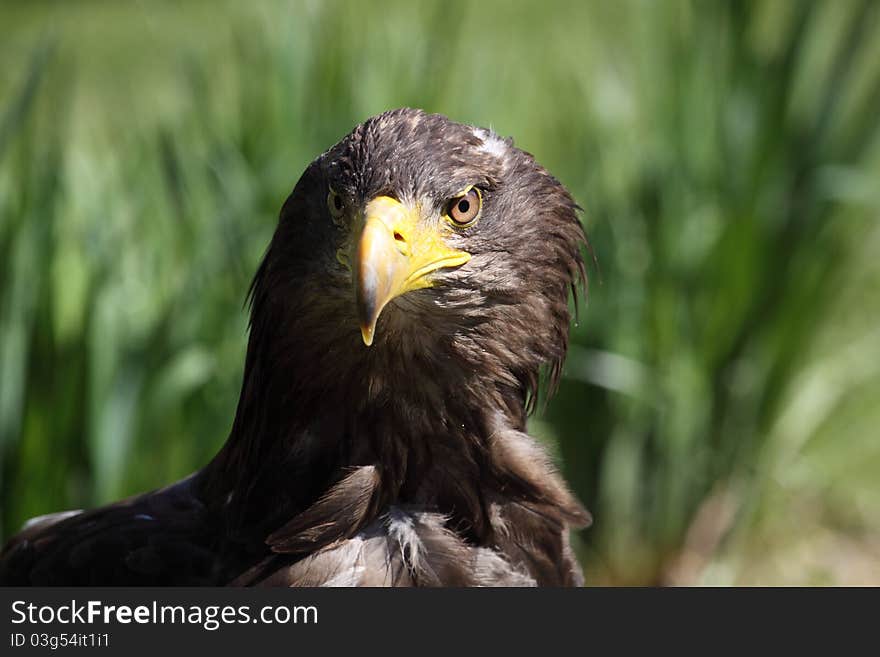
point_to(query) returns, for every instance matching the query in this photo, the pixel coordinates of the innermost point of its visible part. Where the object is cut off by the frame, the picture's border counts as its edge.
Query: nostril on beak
(401, 243)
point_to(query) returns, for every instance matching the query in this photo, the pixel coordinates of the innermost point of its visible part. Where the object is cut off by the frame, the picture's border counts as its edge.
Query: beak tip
(367, 335)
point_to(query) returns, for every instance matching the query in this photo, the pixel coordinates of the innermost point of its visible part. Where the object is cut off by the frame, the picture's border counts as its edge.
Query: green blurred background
(721, 402)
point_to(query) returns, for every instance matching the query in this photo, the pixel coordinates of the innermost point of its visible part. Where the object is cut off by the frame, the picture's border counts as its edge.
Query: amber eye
(334, 204)
(463, 210)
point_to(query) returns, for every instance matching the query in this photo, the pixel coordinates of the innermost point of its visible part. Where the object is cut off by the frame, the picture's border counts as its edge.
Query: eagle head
(418, 261)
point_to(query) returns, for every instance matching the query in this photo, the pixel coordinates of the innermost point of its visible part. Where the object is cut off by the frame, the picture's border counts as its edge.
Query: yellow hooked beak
(395, 254)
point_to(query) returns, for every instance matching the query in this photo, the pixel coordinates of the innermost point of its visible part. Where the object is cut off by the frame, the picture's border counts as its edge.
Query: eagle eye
(463, 210)
(335, 204)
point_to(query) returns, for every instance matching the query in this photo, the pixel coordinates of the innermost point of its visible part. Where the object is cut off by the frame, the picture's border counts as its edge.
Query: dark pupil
(337, 202)
(464, 206)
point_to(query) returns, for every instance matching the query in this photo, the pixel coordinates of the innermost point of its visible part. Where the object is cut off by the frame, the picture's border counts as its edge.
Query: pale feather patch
(401, 529)
(338, 566)
(353, 572)
(49, 519)
(492, 145)
(402, 548)
(492, 569)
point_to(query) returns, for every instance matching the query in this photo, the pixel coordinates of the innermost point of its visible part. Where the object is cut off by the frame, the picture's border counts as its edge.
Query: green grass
(720, 405)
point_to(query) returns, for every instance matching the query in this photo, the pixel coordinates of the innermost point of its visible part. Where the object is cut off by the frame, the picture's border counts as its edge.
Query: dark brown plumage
(415, 289)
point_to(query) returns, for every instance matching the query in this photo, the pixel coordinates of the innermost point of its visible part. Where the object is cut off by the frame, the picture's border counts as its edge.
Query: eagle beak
(395, 254)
